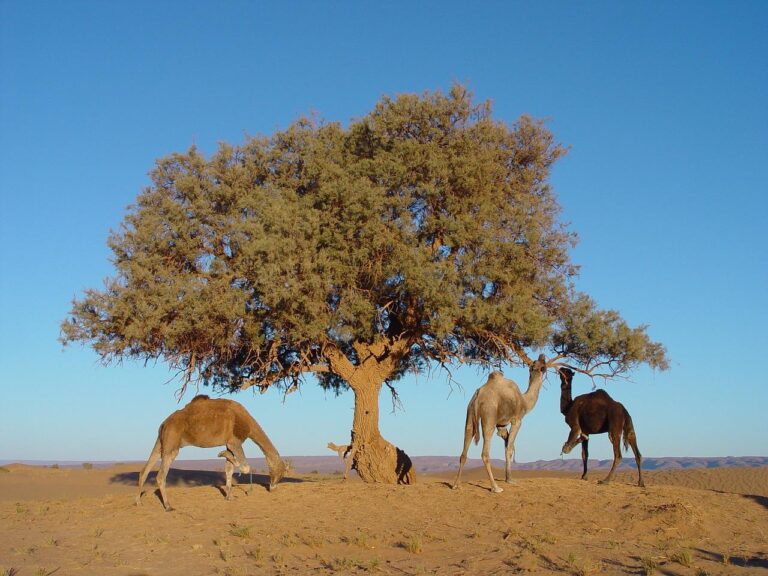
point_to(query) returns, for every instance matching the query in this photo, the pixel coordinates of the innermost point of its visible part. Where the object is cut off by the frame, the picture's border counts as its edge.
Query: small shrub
(683, 557)
(413, 544)
(87, 466)
(240, 531)
(255, 554)
(649, 566)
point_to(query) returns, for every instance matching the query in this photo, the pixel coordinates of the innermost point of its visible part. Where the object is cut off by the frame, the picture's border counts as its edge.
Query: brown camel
(344, 453)
(597, 413)
(206, 423)
(497, 404)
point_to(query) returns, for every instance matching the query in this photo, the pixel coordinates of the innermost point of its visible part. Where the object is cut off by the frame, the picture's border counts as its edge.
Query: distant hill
(439, 464)
(444, 463)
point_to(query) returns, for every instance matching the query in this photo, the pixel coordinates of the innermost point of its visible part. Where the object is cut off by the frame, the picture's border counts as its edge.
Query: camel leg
(638, 460)
(242, 462)
(509, 452)
(616, 441)
(347, 464)
(230, 463)
(463, 457)
(153, 457)
(168, 458)
(237, 449)
(584, 456)
(229, 469)
(486, 456)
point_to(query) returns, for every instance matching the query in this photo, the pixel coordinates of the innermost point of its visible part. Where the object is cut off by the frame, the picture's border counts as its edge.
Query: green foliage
(425, 221)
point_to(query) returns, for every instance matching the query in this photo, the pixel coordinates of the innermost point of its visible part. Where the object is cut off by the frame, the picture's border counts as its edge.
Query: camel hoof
(169, 509)
(603, 481)
(497, 490)
(455, 487)
(641, 484)
(510, 481)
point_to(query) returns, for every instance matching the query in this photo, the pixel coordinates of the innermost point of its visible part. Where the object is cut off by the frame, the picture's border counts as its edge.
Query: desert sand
(78, 521)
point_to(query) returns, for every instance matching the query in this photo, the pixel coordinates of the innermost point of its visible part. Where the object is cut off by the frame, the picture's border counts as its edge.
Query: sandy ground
(77, 521)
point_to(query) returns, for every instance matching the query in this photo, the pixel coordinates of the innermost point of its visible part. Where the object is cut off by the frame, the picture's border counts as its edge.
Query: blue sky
(663, 106)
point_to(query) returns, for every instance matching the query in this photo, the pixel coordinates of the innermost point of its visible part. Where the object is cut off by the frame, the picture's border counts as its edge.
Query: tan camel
(345, 454)
(497, 404)
(206, 423)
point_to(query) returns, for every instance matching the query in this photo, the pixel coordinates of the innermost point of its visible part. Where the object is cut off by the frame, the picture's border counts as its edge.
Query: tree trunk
(375, 459)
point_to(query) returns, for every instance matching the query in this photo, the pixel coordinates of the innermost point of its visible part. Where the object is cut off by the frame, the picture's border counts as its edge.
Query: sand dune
(77, 521)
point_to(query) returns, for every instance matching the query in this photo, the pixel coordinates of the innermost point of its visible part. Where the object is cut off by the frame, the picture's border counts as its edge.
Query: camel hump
(200, 397)
(496, 375)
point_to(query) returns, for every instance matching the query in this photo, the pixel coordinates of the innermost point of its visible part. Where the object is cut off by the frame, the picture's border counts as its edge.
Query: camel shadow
(193, 478)
(760, 561)
(762, 500)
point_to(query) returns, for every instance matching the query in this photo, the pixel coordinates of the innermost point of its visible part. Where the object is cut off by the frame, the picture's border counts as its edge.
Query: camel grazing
(596, 413)
(206, 423)
(497, 404)
(344, 453)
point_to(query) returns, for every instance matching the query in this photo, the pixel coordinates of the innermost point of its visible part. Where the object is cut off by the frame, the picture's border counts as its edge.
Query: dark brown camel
(596, 413)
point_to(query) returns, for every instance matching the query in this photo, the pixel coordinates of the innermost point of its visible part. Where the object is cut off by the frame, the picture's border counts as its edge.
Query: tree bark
(375, 459)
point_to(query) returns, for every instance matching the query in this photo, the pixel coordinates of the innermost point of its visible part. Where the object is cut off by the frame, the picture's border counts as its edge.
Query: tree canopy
(425, 231)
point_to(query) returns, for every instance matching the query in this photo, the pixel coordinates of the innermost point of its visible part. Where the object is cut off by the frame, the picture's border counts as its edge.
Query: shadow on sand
(759, 561)
(178, 477)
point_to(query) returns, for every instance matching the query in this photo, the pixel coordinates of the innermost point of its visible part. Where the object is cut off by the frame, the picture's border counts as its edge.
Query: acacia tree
(425, 232)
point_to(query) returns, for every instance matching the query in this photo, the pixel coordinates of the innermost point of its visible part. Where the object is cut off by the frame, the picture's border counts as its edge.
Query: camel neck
(566, 396)
(566, 399)
(531, 395)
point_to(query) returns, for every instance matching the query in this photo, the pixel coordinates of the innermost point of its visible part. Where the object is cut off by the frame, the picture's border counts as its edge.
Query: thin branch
(396, 403)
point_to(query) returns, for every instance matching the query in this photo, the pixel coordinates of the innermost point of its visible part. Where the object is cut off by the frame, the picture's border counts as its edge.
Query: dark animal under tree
(596, 413)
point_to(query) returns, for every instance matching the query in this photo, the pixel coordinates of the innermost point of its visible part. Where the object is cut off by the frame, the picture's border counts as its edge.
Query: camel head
(276, 474)
(540, 365)
(566, 376)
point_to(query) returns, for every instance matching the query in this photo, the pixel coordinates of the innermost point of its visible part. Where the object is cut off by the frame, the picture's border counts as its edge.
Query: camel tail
(472, 420)
(629, 432)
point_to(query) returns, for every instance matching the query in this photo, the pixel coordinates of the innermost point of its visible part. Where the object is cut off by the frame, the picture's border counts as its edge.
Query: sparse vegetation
(87, 466)
(649, 565)
(589, 568)
(256, 554)
(413, 544)
(240, 531)
(683, 557)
